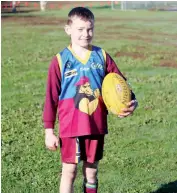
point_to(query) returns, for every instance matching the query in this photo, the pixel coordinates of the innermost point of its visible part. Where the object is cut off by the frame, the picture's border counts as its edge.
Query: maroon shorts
(86, 148)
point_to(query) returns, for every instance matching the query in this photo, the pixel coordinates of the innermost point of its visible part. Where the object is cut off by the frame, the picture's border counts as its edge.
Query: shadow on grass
(167, 188)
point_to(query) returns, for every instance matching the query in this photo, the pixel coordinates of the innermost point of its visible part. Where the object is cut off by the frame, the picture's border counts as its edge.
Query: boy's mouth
(86, 39)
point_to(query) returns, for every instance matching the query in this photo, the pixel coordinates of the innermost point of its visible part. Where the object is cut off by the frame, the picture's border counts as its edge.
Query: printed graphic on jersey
(86, 99)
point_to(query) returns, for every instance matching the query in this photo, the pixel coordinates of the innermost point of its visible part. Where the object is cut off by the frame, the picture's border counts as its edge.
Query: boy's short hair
(81, 12)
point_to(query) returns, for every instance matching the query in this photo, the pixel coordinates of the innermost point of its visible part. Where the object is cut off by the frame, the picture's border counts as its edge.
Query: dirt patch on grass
(158, 34)
(137, 31)
(146, 39)
(137, 37)
(33, 20)
(118, 35)
(140, 48)
(134, 55)
(168, 63)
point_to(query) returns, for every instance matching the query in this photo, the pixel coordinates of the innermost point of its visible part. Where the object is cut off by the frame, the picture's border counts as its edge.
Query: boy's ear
(67, 29)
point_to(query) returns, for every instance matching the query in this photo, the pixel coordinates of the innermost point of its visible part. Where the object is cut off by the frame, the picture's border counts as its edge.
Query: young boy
(74, 89)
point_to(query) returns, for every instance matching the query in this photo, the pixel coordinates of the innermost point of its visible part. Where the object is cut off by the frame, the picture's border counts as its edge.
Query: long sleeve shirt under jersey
(75, 121)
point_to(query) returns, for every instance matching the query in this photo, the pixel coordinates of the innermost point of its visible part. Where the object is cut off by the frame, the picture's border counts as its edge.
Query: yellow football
(115, 92)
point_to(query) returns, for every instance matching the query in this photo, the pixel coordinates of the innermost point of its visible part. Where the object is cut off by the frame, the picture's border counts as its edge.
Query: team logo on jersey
(70, 73)
(68, 65)
(96, 66)
(86, 99)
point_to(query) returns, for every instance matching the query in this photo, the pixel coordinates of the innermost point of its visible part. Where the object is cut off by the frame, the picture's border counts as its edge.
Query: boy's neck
(78, 49)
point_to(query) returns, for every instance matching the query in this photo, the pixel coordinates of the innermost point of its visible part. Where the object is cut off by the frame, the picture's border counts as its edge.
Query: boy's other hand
(51, 141)
(129, 110)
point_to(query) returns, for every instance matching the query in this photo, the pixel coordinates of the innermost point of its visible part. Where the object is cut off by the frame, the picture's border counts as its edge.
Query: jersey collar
(85, 60)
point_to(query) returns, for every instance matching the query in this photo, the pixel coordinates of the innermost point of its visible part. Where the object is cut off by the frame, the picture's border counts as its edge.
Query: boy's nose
(85, 33)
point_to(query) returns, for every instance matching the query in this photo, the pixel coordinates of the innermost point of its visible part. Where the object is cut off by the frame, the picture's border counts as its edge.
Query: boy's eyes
(87, 30)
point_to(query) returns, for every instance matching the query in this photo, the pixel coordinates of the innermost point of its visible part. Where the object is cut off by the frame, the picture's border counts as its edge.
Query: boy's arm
(112, 67)
(52, 94)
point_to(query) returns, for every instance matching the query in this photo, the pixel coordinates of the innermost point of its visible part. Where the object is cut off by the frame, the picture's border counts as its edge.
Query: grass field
(141, 150)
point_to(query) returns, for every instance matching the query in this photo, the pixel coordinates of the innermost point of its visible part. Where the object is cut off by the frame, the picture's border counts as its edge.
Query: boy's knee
(69, 170)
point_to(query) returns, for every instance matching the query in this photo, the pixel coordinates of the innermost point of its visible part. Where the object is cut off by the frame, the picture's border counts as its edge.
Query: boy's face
(81, 31)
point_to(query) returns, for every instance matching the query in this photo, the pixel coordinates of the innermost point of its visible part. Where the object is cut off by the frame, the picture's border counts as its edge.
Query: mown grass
(140, 151)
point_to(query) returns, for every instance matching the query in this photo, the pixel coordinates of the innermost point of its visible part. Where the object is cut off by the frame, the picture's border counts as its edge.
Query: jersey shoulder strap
(59, 61)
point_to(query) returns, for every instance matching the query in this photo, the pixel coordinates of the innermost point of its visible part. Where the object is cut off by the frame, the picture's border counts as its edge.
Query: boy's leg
(91, 153)
(70, 155)
(90, 177)
(69, 172)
